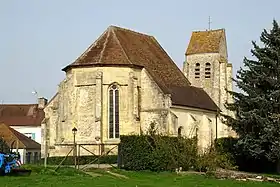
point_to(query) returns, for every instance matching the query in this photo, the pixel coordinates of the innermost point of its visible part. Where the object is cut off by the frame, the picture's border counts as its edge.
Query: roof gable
(119, 46)
(205, 41)
(11, 136)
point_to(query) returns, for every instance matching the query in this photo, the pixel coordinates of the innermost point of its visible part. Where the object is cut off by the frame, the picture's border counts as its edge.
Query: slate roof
(21, 114)
(205, 41)
(122, 47)
(10, 135)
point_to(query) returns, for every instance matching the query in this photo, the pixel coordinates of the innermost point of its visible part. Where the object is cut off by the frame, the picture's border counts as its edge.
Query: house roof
(21, 114)
(119, 46)
(11, 137)
(205, 41)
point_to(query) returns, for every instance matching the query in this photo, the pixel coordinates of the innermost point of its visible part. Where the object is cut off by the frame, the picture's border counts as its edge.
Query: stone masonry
(129, 62)
(215, 83)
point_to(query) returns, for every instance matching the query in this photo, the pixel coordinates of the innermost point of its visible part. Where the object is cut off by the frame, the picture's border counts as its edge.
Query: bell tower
(206, 66)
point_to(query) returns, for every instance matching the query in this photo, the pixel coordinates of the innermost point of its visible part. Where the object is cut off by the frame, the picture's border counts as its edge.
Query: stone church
(125, 81)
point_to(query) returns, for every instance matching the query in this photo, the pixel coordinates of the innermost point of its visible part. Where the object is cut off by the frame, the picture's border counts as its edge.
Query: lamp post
(74, 131)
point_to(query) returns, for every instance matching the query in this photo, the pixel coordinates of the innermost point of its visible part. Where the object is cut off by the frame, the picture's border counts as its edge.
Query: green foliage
(257, 107)
(108, 159)
(4, 146)
(230, 154)
(226, 145)
(157, 152)
(213, 159)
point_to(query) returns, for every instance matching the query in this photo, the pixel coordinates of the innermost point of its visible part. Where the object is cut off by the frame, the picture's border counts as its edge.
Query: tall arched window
(207, 70)
(114, 131)
(197, 71)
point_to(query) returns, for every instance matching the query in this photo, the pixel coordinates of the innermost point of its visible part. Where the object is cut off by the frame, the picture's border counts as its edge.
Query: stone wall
(211, 85)
(82, 101)
(154, 104)
(197, 122)
(216, 85)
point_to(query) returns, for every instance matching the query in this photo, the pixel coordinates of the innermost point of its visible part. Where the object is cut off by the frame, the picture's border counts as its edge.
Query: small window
(207, 70)
(197, 71)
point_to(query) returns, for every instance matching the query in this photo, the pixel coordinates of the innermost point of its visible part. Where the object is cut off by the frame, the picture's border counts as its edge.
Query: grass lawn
(67, 177)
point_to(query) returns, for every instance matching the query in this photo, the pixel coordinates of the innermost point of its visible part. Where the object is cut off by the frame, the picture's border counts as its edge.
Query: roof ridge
(212, 30)
(90, 47)
(108, 30)
(113, 30)
(129, 30)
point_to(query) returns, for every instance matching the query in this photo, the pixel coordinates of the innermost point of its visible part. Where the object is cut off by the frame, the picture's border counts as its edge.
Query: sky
(38, 37)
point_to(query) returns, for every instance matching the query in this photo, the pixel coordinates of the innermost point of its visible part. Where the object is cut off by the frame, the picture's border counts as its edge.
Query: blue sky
(38, 38)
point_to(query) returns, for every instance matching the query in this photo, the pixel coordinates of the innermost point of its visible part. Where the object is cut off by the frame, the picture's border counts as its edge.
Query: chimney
(42, 102)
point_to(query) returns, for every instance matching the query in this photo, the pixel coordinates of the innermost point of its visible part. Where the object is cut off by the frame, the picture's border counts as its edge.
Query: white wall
(29, 129)
(191, 118)
(23, 152)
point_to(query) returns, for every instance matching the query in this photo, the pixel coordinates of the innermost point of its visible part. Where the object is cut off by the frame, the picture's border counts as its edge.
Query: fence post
(119, 156)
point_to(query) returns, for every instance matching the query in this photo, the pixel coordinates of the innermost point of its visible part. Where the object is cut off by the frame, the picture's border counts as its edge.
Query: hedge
(156, 153)
(108, 159)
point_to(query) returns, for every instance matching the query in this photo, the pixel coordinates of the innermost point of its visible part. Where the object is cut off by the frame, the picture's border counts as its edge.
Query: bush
(228, 147)
(213, 159)
(156, 153)
(164, 153)
(108, 159)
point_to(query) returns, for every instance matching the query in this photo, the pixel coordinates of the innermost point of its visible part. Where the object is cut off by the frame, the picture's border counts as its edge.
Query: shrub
(162, 153)
(226, 145)
(156, 153)
(212, 159)
(228, 148)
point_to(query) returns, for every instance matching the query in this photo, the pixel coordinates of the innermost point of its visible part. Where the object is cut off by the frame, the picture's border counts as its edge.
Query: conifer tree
(257, 106)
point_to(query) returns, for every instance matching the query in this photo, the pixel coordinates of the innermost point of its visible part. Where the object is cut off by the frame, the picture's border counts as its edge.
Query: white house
(28, 149)
(24, 118)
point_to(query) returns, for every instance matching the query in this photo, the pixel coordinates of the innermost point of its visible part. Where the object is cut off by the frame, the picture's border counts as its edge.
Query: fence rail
(77, 148)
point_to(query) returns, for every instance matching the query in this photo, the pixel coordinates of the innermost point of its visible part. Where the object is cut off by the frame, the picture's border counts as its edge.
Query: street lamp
(74, 131)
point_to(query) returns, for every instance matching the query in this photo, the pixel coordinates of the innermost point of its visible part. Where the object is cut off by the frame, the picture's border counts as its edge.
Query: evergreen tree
(257, 107)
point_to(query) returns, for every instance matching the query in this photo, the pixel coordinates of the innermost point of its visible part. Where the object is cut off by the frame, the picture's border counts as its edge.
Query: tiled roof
(21, 114)
(11, 137)
(192, 97)
(205, 42)
(119, 46)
